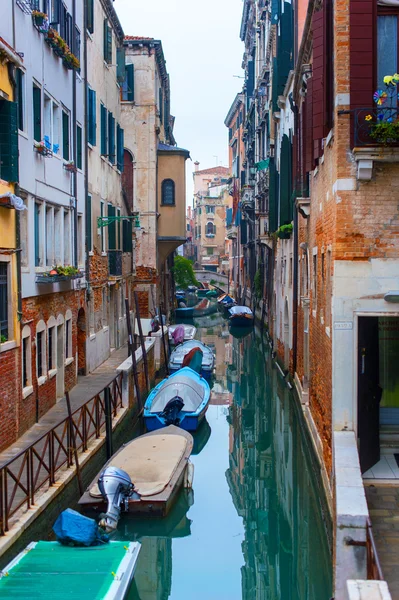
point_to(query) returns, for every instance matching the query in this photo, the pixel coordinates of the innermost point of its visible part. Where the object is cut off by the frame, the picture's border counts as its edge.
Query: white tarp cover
(240, 310)
(190, 391)
(177, 356)
(388, 2)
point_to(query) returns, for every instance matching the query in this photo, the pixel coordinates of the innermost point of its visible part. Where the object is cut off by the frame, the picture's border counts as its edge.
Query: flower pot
(58, 51)
(67, 64)
(38, 21)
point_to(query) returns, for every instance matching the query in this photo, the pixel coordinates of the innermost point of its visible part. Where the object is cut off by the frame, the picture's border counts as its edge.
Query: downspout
(295, 273)
(74, 143)
(86, 153)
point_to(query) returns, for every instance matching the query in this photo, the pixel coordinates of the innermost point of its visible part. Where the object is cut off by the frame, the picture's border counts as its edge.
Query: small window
(20, 97)
(26, 357)
(65, 135)
(209, 251)
(127, 91)
(40, 355)
(68, 337)
(90, 15)
(107, 42)
(79, 147)
(168, 192)
(210, 229)
(4, 301)
(210, 210)
(37, 113)
(91, 117)
(51, 347)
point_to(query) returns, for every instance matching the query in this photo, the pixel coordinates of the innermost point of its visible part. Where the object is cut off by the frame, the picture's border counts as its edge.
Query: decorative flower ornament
(368, 117)
(396, 77)
(388, 79)
(380, 96)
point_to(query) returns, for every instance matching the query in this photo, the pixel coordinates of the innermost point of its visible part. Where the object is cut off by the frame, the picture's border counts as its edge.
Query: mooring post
(73, 442)
(132, 353)
(147, 379)
(108, 423)
(163, 342)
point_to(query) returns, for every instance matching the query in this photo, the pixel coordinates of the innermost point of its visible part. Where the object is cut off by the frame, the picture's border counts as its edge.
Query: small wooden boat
(192, 289)
(156, 464)
(202, 293)
(52, 570)
(186, 312)
(181, 399)
(178, 355)
(225, 302)
(212, 294)
(241, 316)
(189, 332)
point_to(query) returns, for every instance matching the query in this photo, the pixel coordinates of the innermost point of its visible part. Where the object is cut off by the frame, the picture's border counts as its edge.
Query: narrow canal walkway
(257, 527)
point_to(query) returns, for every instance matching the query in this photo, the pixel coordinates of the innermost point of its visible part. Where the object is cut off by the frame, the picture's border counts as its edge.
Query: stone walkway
(85, 389)
(383, 503)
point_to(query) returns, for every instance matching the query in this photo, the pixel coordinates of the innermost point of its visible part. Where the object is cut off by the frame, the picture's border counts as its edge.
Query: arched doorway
(81, 327)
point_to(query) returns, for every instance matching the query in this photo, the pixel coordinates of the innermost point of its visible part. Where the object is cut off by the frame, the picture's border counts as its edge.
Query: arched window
(168, 192)
(210, 228)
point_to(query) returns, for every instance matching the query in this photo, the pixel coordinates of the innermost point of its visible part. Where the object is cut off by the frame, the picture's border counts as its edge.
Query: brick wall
(10, 377)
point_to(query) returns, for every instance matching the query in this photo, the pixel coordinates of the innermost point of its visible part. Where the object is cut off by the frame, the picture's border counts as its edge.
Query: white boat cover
(190, 391)
(189, 331)
(240, 310)
(177, 356)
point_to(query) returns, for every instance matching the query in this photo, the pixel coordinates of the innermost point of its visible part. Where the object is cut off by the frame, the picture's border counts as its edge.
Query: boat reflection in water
(201, 437)
(240, 332)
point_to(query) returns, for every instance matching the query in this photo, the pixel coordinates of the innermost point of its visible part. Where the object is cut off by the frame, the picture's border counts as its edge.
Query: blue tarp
(73, 529)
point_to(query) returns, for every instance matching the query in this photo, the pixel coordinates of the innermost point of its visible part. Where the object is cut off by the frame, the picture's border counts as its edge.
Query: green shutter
(8, 141)
(88, 225)
(20, 99)
(104, 149)
(105, 34)
(118, 225)
(107, 42)
(286, 182)
(111, 138)
(65, 136)
(111, 229)
(37, 114)
(127, 236)
(90, 15)
(37, 235)
(273, 196)
(120, 64)
(92, 118)
(78, 147)
(120, 144)
(130, 83)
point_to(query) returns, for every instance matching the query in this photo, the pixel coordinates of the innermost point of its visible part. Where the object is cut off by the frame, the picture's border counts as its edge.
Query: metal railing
(376, 126)
(374, 570)
(23, 475)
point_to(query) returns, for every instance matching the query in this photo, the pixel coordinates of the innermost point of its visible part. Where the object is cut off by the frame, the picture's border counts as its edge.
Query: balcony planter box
(70, 61)
(70, 167)
(47, 278)
(39, 20)
(284, 232)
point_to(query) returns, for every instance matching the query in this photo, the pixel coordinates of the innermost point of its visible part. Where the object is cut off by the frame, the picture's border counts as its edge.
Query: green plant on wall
(258, 285)
(183, 272)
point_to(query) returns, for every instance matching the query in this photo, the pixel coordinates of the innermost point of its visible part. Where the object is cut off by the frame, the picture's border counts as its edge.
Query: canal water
(255, 526)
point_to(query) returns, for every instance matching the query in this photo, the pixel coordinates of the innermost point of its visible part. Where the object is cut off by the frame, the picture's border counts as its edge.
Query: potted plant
(284, 231)
(384, 123)
(60, 47)
(71, 61)
(39, 18)
(40, 148)
(70, 166)
(51, 37)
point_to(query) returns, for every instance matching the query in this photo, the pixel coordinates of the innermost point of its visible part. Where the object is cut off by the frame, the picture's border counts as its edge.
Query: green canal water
(255, 526)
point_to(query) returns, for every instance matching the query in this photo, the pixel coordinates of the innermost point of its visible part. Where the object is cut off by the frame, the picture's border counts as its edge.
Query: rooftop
(214, 170)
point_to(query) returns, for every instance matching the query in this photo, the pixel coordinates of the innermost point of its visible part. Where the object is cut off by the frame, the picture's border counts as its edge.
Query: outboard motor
(171, 411)
(116, 487)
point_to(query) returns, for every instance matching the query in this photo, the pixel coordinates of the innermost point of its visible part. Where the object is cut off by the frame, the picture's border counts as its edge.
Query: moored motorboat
(212, 294)
(241, 316)
(189, 332)
(225, 302)
(181, 399)
(179, 353)
(184, 312)
(143, 477)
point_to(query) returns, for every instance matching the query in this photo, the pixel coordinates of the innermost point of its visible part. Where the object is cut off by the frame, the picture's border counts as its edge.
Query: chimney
(196, 165)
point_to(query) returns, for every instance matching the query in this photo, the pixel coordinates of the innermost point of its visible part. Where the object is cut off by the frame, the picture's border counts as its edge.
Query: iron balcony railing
(375, 126)
(115, 262)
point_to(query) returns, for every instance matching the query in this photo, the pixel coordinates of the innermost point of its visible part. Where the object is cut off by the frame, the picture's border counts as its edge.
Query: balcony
(65, 274)
(231, 232)
(115, 263)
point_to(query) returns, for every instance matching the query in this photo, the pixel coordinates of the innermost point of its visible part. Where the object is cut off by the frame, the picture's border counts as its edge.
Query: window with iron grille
(3, 301)
(25, 348)
(50, 348)
(168, 192)
(39, 352)
(68, 348)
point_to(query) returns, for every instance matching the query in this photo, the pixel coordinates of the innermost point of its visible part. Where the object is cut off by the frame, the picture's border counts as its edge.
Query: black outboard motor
(171, 411)
(116, 487)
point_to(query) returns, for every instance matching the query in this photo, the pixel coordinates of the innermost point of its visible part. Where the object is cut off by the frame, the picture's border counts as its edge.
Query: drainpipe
(86, 152)
(295, 273)
(74, 143)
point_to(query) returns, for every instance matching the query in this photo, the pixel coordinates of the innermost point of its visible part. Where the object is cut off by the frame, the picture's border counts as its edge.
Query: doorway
(81, 327)
(60, 385)
(378, 395)
(112, 328)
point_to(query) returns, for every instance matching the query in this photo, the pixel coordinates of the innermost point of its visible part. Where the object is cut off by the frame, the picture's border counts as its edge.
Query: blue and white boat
(241, 316)
(181, 399)
(178, 355)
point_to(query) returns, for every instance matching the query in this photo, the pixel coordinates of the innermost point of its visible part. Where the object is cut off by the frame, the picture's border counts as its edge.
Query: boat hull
(205, 373)
(189, 422)
(241, 321)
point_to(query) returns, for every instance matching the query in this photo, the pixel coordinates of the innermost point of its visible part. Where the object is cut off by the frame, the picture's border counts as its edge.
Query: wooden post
(132, 353)
(73, 441)
(147, 379)
(163, 342)
(108, 423)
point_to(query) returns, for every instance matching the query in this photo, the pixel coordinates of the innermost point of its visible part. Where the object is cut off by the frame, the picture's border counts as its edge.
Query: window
(51, 347)
(209, 251)
(80, 239)
(127, 92)
(111, 229)
(387, 44)
(314, 286)
(168, 192)
(8, 141)
(104, 130)
(37, 113)
(76, 43)
(40, 353)
(328, 288)
(4, 302)
(90, 15)
(65, 135)
(119, 145)
(38, 234)
(89, 235)
(51, 123)
(78, 146)
(210, 229)
(26, 358)
(210, 210)
(49, 231)
(111, 138)
(56, 128)
(91, 117)
(127, 235)
(20, 97)
(68, 336)
(120, 64)
(107, 42)
(118, 225)
(47, 118)
(102, 213)
(67, 238)
(58, 214)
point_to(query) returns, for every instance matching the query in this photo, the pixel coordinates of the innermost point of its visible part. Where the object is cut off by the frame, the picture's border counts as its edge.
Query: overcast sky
(203, 52)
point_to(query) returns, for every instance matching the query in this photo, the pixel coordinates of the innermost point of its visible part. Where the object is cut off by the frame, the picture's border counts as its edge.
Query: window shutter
(243, 232)
(92, 117)
(127, 236)
(107, 42)
(308, 133)
(286, 179)
(105, 38)
(88, 225)
(111, 138)
(318, 80)
(8, 141)
(111, 229)
(37, 235)
(35, 4)
(56, 12)
(120, 144)
(251, 77)
(90, 15)
(37, 114)
(76, 43)
(120, 65)
(273, 194)
(65, 136)
(130, 82)
(104, 149)
(78, 147)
